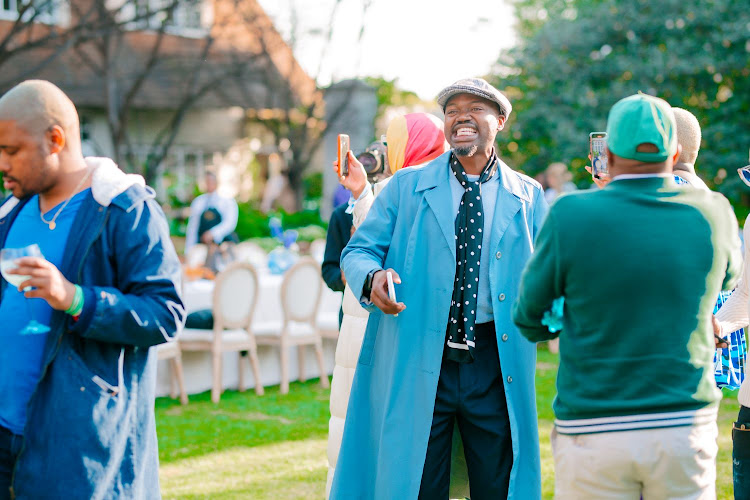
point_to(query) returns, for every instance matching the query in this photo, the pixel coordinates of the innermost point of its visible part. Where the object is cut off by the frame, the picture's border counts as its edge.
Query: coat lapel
(435, 182)
(509, 202)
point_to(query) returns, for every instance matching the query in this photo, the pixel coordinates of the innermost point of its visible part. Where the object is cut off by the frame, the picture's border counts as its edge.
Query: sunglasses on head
(744, 174)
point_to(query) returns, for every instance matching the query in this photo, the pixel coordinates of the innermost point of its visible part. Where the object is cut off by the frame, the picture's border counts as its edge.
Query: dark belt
(485, 331)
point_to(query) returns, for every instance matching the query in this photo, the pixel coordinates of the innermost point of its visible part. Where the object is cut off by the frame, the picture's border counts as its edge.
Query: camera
(374, 159)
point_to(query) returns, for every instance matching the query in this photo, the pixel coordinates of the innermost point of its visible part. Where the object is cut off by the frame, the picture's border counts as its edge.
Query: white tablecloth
(197, 295)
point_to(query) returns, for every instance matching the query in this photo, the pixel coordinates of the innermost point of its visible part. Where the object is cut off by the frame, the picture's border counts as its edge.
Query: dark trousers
(473, 395)
(10, 445)
(741, 455)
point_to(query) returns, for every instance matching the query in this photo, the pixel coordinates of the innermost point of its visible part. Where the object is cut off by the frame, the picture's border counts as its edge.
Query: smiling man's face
(471, 124)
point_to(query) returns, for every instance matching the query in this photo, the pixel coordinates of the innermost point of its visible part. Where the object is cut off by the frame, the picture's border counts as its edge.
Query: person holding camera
(653, 433)
(412, 140)
(454, 236)
(733, 315)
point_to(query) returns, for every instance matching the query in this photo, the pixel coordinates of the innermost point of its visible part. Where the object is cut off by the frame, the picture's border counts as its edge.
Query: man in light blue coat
(455, 235)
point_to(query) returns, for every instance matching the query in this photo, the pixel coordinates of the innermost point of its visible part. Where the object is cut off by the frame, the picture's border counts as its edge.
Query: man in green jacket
(640, 264)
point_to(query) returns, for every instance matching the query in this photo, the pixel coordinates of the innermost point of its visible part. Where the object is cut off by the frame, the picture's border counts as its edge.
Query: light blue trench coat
(410, 228)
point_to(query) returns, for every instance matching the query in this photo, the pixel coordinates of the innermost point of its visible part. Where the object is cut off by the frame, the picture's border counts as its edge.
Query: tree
(125, 59)
(297, 125)
(568, 70)
(36, 27)
(130, 48)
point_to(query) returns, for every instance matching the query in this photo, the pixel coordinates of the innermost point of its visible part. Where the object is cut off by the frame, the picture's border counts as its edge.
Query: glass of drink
(8, 261)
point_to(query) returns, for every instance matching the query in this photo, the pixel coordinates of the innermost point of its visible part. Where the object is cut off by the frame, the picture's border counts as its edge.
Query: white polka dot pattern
(469, 224)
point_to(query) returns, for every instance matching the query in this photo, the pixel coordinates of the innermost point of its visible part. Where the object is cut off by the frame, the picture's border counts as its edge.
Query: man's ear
(610, 159)
(677, 154)
(500, 122)
(56, 139)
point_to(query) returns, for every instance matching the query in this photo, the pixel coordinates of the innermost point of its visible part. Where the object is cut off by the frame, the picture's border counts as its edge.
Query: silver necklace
(52, 225)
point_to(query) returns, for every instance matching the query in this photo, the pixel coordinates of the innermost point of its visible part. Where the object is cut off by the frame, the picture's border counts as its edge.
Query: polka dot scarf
(469, 227)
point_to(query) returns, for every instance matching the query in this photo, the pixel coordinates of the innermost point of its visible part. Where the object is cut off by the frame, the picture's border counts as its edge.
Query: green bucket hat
(642, 119)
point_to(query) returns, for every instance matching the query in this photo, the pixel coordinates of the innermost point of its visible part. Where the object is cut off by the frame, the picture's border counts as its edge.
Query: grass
(274, 446)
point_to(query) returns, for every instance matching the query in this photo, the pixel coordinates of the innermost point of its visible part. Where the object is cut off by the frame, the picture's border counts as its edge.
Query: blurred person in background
(340, 195)
(733, 315)
(689, 137)
(213, 218)
(412, 140)
(558, 180)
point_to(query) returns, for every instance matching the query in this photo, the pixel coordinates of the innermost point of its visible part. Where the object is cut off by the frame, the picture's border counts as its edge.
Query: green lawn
(274, 446)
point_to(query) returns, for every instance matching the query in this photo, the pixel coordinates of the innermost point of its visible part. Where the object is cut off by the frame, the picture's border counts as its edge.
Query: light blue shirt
(21, 355)
(489, 197)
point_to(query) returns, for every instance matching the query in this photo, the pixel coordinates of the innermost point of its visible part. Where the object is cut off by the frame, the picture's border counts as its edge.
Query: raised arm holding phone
(412, 139)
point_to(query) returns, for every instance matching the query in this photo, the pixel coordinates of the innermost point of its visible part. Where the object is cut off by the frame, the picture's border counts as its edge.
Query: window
(43, 11)
(189, 17)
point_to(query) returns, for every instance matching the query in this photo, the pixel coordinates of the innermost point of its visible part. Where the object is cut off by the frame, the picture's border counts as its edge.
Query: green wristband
(77, 305)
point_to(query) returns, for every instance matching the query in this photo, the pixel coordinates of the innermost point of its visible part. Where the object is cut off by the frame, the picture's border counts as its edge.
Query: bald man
(689, 137)
(77, 389)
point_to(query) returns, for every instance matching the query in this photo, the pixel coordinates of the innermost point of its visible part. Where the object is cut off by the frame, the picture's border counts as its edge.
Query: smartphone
(343, 154)
(598, 152)
(391, 288)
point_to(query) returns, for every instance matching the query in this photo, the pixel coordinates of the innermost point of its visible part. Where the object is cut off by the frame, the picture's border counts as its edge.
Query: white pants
(657, 464)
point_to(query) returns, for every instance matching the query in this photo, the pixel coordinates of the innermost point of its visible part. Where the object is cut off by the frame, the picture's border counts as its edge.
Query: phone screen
(598, 151)
(343, 149)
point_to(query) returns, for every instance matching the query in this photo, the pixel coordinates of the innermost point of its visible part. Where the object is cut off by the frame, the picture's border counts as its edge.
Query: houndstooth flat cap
(478, 87)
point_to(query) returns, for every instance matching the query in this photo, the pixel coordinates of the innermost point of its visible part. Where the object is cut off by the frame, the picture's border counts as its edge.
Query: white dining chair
(327, 320)
(171, 351)
(318, 249)
(234, 297)
(301, 289)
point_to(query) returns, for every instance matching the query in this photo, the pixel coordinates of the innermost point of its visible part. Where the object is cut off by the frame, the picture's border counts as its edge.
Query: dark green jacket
(640, 264)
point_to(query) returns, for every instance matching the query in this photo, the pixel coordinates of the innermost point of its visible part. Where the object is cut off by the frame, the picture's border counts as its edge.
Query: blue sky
(426, 44)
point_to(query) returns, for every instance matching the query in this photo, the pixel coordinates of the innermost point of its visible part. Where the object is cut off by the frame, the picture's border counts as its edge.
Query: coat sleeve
(362, 206)
(191, 233)
(369, 244)
(144, 308)
(541, 284)
(541, 207)
(735, 313)
(336, 239)
(734, 262)
(229, 215)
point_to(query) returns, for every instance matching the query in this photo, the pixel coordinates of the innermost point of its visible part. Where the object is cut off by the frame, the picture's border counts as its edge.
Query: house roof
(247, 64)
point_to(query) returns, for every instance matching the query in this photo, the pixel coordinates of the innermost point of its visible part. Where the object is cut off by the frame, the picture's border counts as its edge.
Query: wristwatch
(367, 288)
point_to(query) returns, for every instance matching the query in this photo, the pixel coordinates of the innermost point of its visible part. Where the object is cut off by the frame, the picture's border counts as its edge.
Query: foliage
(252, 223)
(389, 94)
(313, 185)
(577, 59)
(311, 233)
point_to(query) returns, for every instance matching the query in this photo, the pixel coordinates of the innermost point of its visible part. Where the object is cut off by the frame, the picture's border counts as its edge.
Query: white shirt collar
(640, 176)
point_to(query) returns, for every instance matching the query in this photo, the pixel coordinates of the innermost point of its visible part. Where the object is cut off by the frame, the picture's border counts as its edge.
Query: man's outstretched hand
(379, 294)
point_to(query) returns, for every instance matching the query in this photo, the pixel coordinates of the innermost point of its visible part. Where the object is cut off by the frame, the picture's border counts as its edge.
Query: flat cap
(478, 87)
